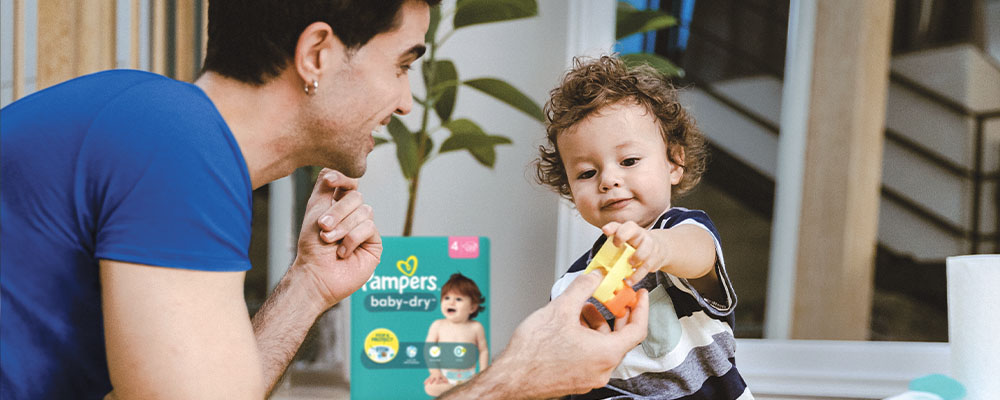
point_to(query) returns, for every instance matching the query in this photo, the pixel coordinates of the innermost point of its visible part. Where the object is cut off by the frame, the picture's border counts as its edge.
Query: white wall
(7, 49)
(30, 32)
(458, 196)
(993, 28)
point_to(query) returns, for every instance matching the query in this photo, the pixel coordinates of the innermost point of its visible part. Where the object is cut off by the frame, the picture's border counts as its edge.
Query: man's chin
(358, 173)
(352, 171)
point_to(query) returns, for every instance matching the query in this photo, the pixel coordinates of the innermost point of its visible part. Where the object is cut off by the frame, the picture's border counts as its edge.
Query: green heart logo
(408, 267)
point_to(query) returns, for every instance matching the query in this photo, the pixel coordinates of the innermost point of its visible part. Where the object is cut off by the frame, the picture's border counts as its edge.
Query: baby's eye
(628, 162)
(586, 175)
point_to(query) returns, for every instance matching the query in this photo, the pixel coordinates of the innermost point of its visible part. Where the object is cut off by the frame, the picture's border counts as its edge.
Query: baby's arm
(685, 251)
(433, 337)
(484, 350)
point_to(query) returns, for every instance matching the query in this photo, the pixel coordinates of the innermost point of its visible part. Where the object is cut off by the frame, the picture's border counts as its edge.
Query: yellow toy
(613, 292)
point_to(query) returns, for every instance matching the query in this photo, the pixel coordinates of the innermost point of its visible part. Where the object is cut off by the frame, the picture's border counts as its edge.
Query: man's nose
(405, 104)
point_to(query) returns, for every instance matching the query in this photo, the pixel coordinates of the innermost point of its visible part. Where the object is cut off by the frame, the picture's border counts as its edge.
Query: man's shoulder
(155, 97)
(99, 88)
(157, 114)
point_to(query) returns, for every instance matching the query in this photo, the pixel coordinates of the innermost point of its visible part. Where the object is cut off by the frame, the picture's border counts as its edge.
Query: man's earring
(311, 89)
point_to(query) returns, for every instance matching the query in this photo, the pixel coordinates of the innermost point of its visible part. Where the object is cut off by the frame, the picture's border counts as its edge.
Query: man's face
(369, 86)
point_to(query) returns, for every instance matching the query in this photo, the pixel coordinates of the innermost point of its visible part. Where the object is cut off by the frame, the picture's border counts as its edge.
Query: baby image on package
(420, 325)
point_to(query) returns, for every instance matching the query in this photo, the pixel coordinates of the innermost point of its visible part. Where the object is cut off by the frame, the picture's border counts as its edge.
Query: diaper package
(420, 325)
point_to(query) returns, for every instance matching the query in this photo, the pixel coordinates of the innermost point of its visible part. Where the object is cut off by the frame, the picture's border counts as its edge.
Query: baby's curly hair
(593, 84)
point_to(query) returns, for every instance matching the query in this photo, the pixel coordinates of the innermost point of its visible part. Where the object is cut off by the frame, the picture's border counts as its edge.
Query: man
(126, 215)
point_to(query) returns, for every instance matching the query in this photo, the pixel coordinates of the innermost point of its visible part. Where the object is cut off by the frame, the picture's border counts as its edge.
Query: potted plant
(416, 147)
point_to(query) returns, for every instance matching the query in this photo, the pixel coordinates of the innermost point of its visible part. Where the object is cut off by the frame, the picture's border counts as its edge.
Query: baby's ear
(676, 168)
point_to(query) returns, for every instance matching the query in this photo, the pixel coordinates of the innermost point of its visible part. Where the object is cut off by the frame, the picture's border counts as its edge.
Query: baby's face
(457, 307)
(617, 166)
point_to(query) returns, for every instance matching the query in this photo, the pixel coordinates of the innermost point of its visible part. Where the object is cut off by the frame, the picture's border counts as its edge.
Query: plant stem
(445, 37)
(411, 205)
(422, 135)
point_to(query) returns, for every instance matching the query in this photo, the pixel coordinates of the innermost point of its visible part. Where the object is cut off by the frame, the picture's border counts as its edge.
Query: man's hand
(650, 254)
(560, 349)
(554, 340)
(339, 245)
(326, 270)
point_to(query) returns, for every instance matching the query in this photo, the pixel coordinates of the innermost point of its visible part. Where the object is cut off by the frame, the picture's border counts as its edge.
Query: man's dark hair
(254, 40)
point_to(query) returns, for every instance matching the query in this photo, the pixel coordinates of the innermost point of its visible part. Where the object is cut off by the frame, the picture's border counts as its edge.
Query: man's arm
(555, 353)
(185, 334)
(178, 334)
(281, 325)
(338, 250)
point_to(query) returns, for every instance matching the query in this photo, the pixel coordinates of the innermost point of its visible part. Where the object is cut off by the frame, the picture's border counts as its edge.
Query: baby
(620, 146)
(461, 301)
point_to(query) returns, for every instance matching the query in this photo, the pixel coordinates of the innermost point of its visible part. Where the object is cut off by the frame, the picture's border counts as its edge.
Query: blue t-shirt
(119, 165)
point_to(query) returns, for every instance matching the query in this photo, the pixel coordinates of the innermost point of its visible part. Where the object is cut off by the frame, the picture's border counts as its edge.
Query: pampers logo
(393, 288)
(409, 266)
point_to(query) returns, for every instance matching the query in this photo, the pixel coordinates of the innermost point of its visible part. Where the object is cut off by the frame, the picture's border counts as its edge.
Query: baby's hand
(435, 378)
(650, 254)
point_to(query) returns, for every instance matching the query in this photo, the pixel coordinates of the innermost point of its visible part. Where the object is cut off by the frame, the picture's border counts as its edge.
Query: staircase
(941, 123)
(941, 158)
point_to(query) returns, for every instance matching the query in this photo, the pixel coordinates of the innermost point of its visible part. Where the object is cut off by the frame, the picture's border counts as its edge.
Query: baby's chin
(641, 220)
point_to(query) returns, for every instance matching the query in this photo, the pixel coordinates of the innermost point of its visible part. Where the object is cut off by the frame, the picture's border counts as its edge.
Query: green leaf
(659, 63)
(464, 126)
(443, 87)
(472, 12)
(431, 34)
(485, 155)
(406, 147)
(506, 93)
(466, 135)
(472, 141)
(380, 140)
(631, 21)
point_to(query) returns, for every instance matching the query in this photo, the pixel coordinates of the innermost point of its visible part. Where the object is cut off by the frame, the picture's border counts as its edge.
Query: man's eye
(586, 175)
(628, 162)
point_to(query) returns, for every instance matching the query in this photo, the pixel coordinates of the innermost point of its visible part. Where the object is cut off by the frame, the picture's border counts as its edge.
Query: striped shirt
(689, 351)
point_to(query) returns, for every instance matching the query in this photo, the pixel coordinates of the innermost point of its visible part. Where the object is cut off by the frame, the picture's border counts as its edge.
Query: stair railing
(976, 174)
